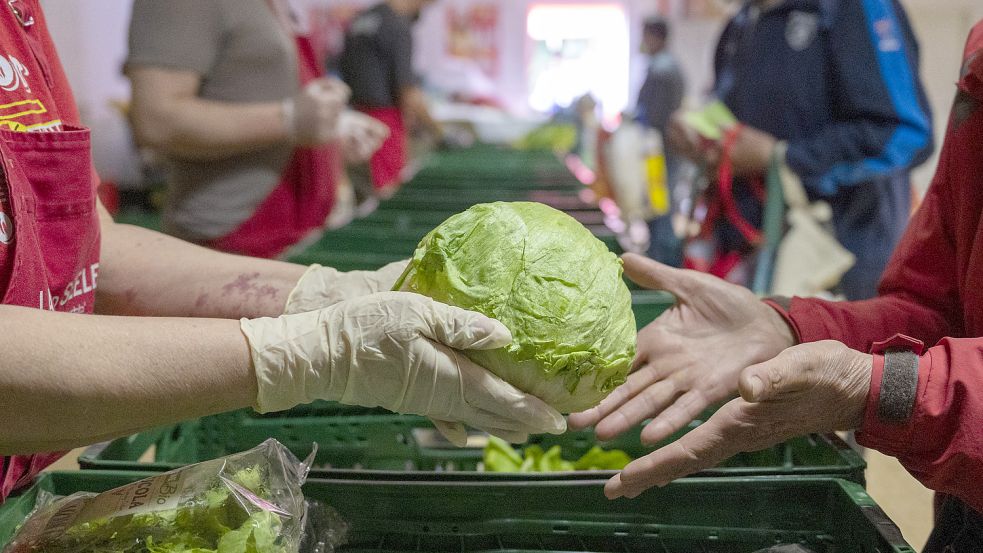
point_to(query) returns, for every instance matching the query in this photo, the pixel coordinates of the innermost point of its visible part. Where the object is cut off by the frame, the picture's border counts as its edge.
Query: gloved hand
(361, 136)
(816, 387)
(312, 115)
(398, 351)
(691, 356)
(322, 287)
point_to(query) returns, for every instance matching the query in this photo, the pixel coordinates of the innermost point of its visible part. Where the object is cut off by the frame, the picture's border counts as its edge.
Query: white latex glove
(361, 135)
(312, 115)
(398, 351)
(322, 287)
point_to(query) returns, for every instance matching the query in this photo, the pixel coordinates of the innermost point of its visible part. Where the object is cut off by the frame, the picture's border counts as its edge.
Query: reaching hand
(816, 387)
(691, 356)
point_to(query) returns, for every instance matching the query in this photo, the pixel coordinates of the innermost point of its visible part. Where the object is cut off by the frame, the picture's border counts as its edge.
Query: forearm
(859, 324)
(147, 273)
(69, 380)
(193, 128)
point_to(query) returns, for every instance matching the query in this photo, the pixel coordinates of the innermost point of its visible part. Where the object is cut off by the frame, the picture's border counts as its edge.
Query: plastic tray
(723, 515)
(363, 443)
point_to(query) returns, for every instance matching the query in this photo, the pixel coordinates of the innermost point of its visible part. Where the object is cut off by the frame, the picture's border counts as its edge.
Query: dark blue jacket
(837, 79)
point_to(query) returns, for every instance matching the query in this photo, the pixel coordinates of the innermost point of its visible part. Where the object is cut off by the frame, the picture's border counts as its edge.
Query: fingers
(462, 329)
(703, 447)
(793, 370)
(455, 432)
(647, 403)
(656, 276)
(636, 382)
(509, 436)
(677, 416)
(499, 405)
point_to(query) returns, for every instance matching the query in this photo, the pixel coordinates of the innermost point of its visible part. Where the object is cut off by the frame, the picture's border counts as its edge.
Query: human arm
(69, 380)
(167, 114)
(173, 47)
(881, 120)
(690, 357)
(145, 273)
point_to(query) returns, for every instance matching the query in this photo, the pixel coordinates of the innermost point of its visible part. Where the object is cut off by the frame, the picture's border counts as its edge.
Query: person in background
(232, 93)
(377, 64)
(109, 329)
(833, 88)
(661, 95)
(789, 367)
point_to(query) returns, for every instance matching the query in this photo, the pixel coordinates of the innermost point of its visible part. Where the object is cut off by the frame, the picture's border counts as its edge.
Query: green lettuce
(501, 457)
(214, 522)
(550, 281)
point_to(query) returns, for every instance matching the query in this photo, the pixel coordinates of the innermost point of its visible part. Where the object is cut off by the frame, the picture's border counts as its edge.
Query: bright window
(578, 49)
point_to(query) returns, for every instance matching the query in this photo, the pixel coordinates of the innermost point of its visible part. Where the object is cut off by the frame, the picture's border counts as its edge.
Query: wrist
(861, 367)
(315, 289)
(288, 119)
(776, 332)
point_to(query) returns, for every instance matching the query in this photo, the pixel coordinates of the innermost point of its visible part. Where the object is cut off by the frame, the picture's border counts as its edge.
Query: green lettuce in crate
(550, 281)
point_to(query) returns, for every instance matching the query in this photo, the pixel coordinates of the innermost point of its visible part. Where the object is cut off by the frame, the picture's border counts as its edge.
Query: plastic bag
(250, 502)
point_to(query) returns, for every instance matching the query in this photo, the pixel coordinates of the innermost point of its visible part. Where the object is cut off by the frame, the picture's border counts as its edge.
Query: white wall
(91, 40)
(942, 27)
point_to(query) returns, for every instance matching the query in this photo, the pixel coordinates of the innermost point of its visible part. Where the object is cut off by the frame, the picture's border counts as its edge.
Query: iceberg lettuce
(550, 281)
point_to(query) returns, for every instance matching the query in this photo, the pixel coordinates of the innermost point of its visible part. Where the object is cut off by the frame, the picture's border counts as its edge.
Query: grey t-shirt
(377, 62)
(243, 54)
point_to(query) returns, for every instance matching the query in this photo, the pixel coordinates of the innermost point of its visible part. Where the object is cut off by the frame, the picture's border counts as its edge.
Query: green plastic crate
(384, 239)
(431, 217)
(722, 515)
(374, 444)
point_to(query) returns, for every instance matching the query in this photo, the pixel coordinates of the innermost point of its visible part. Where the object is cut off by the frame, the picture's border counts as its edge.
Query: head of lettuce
(550, 281)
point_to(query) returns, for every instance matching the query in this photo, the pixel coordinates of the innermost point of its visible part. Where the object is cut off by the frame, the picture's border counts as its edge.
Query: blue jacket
(837, 79)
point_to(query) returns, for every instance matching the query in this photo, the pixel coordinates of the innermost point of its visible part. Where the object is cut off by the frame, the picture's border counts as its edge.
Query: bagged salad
(249, 502)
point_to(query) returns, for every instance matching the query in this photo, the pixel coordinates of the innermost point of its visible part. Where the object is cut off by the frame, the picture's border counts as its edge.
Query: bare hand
(311, 117)
(360, 135)
(751, 152)
(691, 356)
(816, 387)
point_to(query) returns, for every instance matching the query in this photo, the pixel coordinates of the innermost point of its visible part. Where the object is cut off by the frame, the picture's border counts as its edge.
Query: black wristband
(899, 384)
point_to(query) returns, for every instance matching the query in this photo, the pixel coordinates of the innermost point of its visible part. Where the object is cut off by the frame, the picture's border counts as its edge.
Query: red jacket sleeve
(918, 293)
(941, 444)
(930, 291)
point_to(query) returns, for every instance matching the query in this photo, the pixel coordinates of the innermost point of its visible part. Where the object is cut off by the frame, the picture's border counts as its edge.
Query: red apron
(389, 160)
(301, 202)
(49, 241)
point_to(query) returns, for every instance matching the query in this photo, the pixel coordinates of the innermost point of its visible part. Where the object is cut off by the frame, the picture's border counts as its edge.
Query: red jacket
(932, 290)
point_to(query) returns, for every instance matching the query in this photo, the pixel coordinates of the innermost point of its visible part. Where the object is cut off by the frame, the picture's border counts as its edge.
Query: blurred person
(661, 95)
(232, 93)
(109, 329)
(905, 368)
(377, 64)
(833, 88)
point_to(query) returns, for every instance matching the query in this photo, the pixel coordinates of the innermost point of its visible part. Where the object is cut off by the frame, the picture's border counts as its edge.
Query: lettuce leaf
(501, 457)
